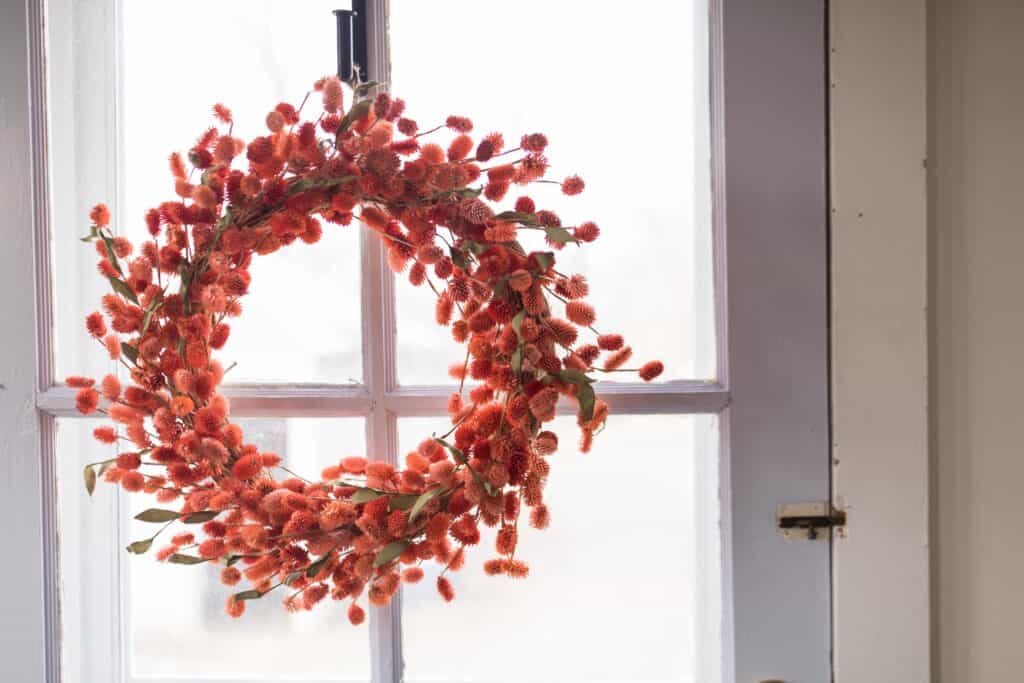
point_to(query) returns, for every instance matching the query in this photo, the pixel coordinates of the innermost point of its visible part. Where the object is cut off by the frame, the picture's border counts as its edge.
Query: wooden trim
(30, 617)
(879, 338)
(36, 33)
(775, 431)
(379, 363)
(681, 398)
(277, 400)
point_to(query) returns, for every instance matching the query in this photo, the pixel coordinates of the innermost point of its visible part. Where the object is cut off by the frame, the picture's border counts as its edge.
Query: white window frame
(29, 400)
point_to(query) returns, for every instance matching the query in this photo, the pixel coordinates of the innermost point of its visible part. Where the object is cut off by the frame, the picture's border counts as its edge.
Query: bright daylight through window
(624, 584)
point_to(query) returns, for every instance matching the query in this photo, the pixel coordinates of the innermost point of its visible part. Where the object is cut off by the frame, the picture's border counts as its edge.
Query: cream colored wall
(976, 207)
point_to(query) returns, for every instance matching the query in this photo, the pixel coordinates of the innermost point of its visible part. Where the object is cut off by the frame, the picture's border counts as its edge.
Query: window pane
(301, 320)
(82, 171)
(176, 618)
(89, 556)
(302, 317)
(175, 624)
(623, 585)
(625, 104)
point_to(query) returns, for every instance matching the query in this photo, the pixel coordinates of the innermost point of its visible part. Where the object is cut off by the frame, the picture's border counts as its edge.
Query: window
(689, 610)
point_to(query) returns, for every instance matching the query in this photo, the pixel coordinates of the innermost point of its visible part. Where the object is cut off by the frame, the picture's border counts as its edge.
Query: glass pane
(302, 317)
(82, 171)
(177, 623)
(89, 555)
(648, 190)
(623, 586)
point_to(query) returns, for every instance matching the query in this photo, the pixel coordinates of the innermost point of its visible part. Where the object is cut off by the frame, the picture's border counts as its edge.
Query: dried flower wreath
(366, 526)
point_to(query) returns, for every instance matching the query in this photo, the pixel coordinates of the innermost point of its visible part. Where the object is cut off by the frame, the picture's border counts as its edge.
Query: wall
(976, 185)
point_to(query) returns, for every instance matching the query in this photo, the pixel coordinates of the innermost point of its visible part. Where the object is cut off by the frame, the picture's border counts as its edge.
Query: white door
(701, 131)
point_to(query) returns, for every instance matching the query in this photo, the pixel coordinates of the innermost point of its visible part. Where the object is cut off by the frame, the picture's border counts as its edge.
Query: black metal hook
(351, 34)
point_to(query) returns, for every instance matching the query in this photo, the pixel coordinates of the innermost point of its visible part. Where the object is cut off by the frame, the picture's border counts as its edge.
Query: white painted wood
(379, 365)
(675, 398)
(879, 338)
(773, 316)
(769, 117)
(29, 618)
(283, 400)
(82, 102)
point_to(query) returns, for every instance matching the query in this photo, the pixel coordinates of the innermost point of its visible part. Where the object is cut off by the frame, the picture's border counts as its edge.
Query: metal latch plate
(810, 521)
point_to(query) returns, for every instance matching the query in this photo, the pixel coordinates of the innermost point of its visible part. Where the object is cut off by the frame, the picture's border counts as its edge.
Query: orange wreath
(366, 526)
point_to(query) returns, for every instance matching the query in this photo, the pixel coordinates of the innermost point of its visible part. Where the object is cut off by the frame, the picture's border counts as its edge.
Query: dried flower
(359, 527)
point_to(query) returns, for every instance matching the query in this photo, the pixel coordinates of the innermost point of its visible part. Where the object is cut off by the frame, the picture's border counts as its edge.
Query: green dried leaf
(248, 595)
(517, 360)
(389, 552)
(290, 578)
(201, 517)
(461, 457)
(108, 243)
(517, 323)
(586, 398)
(365, 495)
(517, 217)
(358, 111)
(89, 474)
(140, 547)
(575, 376)
(93, 232)
(558, 235)
(584, 391)
(130, 352)
(475, 247)
(157, 515)
(146, 320)
(314, 569)
(501, 287)
(364, 88)
(459, 258)
(233, 559)
(422, 501)
(545, 259)
(150, 310)
(122, 288)
(178, 558)
(402, 501)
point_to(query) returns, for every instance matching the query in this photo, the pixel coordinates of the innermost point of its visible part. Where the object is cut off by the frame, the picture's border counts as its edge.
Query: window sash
(379, 398)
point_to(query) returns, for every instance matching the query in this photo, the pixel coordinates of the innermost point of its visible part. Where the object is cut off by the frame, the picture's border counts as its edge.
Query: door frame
(772, 193)
(766, 49)
(878, 72)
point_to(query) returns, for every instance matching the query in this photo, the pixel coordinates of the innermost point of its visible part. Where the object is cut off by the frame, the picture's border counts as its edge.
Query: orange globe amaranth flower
(105, 434)
(573, 185)
(100, 215)
(356, 614)
(358, 528)
(235, 608)
(650, 370)
(444, 587)
(131, 481)
(618, 359)
(182, 405)
(87, 400)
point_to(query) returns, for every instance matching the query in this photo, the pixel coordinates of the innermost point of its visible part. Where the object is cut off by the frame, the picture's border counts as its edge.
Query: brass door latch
(811, 521)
